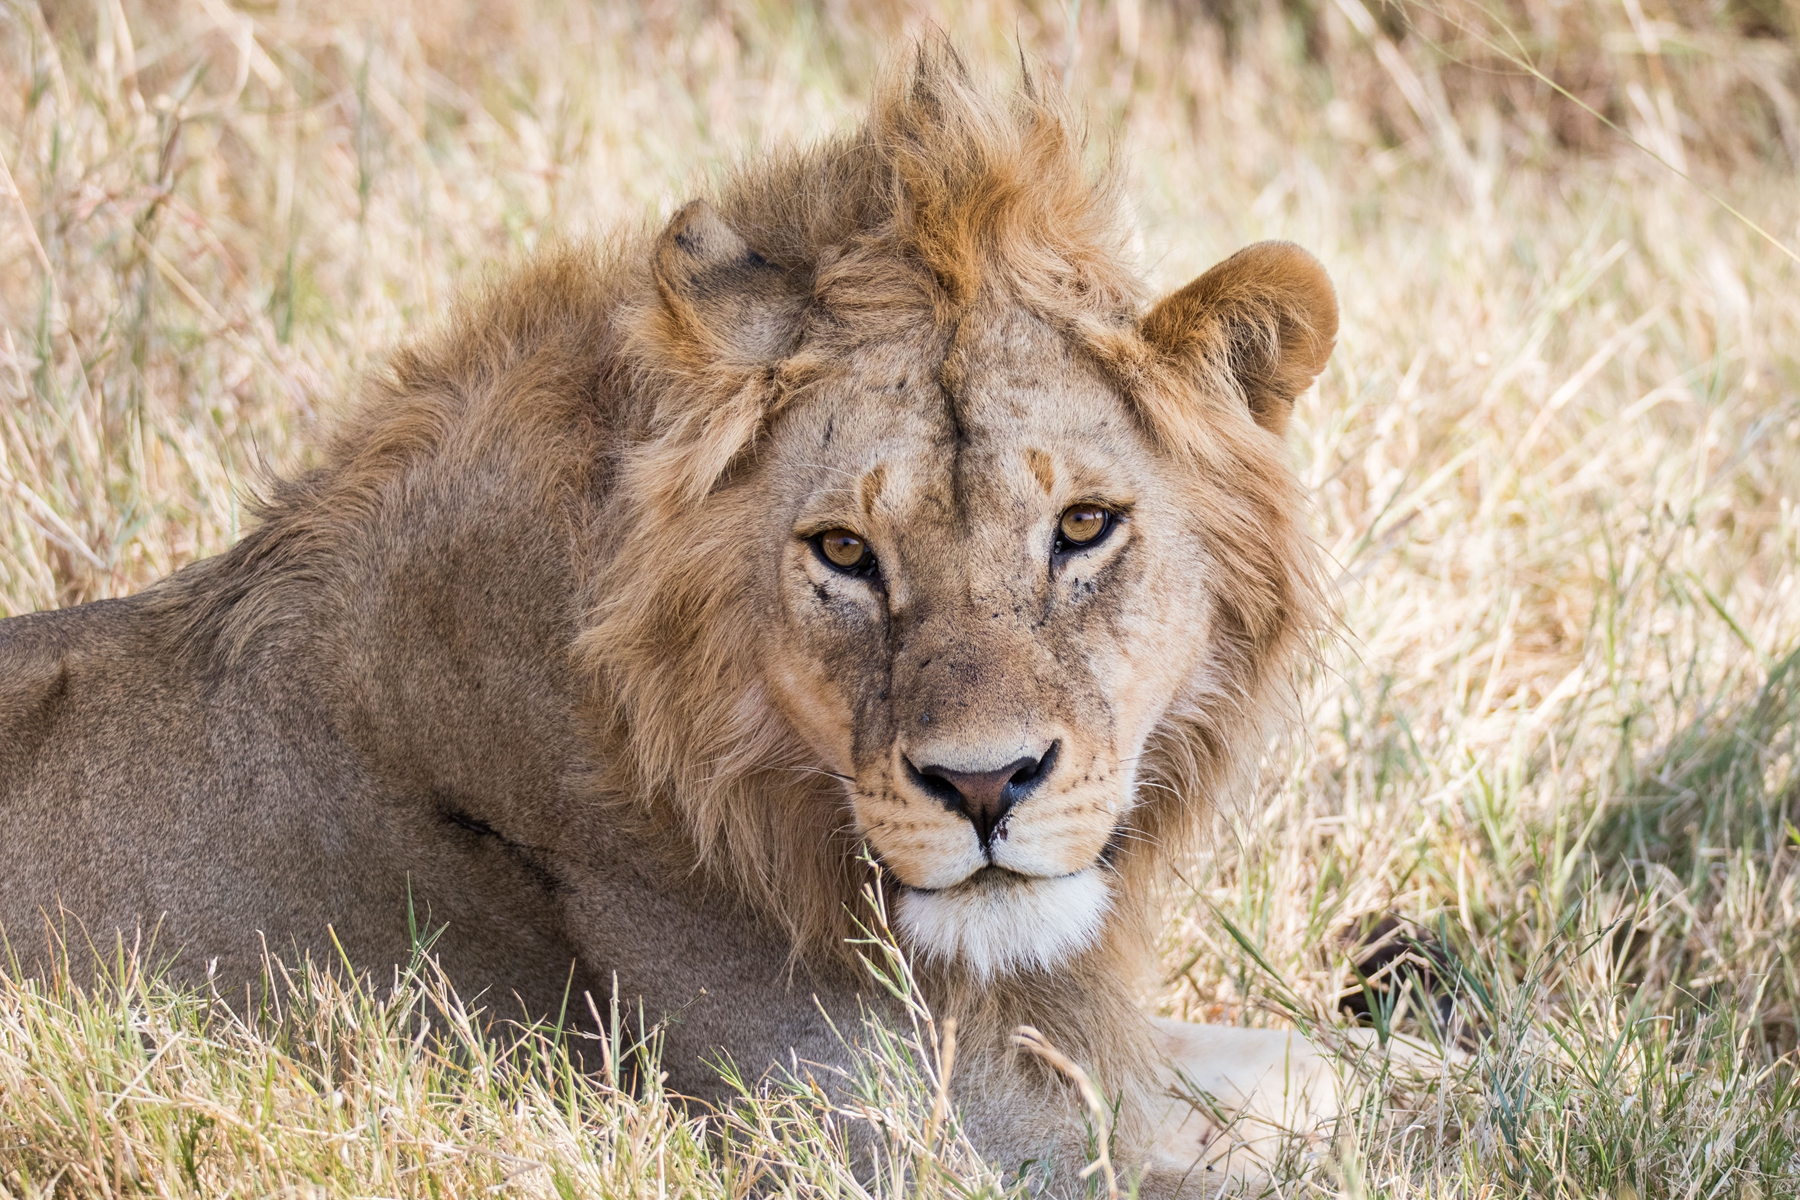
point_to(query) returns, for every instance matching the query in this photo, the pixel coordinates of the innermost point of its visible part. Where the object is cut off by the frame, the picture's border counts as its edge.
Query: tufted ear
(1267, 316)
(729, 305)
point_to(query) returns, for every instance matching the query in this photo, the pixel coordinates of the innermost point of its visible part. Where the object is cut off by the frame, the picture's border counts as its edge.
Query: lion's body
(545, 655)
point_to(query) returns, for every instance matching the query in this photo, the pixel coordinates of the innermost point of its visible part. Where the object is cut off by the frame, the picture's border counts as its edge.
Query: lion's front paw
(1239, 1101)
(1240, 1098)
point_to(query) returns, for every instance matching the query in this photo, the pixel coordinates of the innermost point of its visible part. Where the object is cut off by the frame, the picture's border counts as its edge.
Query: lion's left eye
(1082, 525)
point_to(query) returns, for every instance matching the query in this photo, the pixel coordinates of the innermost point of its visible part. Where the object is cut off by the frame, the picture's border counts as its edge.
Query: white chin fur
(996, 927)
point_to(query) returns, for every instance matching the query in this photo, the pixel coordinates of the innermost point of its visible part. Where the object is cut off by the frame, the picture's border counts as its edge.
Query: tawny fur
(602, 407)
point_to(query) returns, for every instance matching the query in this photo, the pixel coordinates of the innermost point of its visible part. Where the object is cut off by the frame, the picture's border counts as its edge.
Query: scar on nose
(1043, 468)
(870, 490)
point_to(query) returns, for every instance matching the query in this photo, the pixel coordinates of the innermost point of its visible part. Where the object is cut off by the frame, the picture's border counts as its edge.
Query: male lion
(868, 504)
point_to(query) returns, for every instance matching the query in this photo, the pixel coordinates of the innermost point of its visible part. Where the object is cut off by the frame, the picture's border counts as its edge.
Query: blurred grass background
(1556, 459)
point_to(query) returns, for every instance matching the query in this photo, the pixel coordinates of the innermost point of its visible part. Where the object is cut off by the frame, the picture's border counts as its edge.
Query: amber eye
(1082, 525)
(845, 551)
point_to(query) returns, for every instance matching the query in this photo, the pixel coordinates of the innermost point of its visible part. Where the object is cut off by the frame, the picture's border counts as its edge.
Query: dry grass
(1557, 457)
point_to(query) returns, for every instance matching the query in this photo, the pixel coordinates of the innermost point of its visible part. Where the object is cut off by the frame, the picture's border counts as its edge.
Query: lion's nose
(985, 797)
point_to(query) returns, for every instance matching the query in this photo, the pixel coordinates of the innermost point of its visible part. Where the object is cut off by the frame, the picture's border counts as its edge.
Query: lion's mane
(943, 194)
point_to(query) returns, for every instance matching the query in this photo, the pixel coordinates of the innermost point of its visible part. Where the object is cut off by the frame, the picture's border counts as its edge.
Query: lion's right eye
(845, 551)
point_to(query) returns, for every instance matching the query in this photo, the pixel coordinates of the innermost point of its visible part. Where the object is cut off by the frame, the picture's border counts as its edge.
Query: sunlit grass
(1556, 460)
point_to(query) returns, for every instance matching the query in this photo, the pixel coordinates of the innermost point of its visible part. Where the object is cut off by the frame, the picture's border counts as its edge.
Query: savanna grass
(1552, 749)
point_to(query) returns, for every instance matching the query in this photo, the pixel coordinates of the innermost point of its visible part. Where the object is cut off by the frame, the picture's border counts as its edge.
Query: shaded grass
(1728, 782)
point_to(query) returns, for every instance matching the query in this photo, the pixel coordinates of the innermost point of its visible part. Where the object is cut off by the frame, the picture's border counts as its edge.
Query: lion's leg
(1235, 1097)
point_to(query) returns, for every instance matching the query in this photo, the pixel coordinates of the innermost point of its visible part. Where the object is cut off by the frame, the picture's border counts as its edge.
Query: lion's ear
(728, 318)
(731, 305)
(1267, 316)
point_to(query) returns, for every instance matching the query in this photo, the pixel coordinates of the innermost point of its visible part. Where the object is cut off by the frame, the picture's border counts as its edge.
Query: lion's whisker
(818, 771)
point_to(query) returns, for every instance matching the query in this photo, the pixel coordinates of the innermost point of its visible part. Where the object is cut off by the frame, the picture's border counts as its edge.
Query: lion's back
(212, 809)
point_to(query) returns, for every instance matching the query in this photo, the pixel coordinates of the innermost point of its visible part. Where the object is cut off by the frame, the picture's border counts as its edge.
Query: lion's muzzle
(1001, 866)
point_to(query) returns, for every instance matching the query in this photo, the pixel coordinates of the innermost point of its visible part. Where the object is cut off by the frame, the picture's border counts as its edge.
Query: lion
(868, 520)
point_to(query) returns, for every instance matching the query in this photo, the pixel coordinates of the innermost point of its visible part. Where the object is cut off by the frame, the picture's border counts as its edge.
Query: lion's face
(983, 603)
(1020, 584)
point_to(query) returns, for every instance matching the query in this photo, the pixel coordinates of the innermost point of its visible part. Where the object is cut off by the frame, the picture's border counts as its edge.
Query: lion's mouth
(995, 876)
(990, 876)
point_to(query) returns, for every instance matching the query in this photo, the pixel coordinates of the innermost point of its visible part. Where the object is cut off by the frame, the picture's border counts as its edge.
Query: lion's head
(943, 540)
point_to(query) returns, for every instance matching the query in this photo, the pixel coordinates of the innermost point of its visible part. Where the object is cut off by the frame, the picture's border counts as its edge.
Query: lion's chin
(996, 923)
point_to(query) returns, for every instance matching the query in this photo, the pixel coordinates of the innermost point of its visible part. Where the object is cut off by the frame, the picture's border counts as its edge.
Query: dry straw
(1555, 460)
